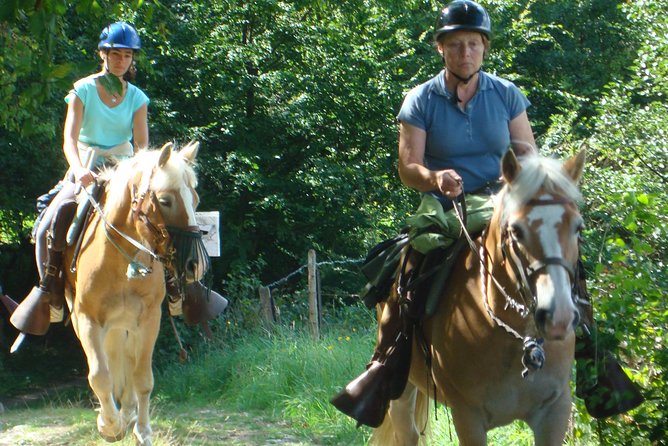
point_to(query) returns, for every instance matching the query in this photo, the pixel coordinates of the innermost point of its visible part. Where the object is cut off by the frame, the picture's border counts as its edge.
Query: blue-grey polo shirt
(470, 141)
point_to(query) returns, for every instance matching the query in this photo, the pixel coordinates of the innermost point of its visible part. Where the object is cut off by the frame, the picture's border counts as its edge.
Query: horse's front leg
(550, 424)
(469, 426)
(143, 375)
(91, 335)
(399, 428)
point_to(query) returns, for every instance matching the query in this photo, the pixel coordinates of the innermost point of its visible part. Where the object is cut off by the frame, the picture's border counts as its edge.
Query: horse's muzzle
(191, 261)
(553, 326)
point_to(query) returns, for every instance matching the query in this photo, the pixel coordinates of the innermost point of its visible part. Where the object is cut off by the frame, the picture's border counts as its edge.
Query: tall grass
(287, 375)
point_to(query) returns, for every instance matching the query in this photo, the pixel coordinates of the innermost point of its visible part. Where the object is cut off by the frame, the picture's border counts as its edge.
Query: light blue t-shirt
(105, 126)
(473, 141)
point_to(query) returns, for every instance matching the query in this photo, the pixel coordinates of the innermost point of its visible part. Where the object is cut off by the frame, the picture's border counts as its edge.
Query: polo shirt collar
(439, 87)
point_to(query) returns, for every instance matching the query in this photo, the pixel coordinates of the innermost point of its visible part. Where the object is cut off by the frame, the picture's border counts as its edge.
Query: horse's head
(540, 227)
(164, 200)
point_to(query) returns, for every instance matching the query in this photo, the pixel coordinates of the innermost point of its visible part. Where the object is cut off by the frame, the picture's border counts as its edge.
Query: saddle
(428, 279)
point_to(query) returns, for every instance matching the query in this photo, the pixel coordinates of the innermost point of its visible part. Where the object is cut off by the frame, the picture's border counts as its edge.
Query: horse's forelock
(537, 172)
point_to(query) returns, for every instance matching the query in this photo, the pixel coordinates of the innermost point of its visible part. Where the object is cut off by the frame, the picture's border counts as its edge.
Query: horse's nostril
(541, 318)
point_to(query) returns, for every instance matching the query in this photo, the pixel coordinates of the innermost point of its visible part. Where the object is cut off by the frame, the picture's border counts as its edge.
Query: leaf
(111, 84)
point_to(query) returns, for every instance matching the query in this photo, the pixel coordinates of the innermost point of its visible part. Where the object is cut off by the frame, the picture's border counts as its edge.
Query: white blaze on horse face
(553, 289)
(190, 202)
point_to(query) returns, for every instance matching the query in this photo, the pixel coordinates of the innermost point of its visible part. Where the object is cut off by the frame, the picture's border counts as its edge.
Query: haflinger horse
(508, 308)
(118, 284)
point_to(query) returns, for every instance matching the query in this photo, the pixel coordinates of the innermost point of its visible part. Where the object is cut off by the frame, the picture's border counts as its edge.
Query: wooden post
(313, 310)
(267, 305)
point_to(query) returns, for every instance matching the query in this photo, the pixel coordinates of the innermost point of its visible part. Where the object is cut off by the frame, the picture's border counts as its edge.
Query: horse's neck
(117, 206)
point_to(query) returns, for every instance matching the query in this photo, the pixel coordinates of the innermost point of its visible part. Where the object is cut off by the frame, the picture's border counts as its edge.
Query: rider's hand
(449, 183)
(84, 176)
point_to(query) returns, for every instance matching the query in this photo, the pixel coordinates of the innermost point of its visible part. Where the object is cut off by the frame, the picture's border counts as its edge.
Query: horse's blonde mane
(120, 175)
(537, 172)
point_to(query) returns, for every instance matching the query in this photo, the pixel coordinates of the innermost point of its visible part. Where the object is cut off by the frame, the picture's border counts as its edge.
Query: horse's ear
(574, 166)
(510, 167)
(189, 152)
(165, 153)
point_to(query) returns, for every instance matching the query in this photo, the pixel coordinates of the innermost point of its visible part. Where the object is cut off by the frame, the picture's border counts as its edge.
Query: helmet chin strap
(464, 80)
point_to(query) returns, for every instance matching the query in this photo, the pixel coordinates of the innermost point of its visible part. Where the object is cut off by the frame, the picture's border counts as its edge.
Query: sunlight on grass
(289, 377)
(264, 389)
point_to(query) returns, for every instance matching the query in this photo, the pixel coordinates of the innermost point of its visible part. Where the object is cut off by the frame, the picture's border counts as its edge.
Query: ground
(73, 424)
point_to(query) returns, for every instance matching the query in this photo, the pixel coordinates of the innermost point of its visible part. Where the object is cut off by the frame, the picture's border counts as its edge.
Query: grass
(262, 388)
(287, 375)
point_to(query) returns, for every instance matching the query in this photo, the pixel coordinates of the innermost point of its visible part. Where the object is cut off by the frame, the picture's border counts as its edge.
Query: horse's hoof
(143, 438)
(112, 438)
(108, 433)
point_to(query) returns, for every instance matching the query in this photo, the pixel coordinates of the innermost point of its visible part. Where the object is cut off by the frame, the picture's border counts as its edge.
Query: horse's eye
(165, 202)
(578, 230)
(516, 231)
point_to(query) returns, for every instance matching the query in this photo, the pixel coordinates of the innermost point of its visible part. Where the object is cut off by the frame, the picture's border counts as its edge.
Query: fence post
(267, 305)
(313, 307)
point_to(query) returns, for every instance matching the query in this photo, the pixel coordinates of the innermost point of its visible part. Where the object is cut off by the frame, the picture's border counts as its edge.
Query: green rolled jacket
(433, 227)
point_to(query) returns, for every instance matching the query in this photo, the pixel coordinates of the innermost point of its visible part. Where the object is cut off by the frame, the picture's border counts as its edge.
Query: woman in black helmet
(454, 130)
(106, 119)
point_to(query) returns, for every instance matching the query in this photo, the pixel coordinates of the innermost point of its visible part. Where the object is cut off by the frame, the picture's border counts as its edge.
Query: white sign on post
(208, 223)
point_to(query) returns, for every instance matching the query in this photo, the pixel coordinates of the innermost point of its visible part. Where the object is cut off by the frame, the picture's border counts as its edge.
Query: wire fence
(305, 266)
(268, 306)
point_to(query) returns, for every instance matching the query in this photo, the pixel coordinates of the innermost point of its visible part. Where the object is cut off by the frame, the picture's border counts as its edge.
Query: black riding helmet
(463, 15)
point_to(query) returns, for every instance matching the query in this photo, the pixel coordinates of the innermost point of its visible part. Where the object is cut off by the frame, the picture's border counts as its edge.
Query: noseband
(176, 246)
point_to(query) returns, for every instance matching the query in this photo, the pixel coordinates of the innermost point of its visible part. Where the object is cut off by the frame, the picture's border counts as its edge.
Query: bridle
(533, 357)
(146, 211)
(524, 273)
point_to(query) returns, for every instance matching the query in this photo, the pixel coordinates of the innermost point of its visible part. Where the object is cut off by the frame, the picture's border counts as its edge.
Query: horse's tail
(397, 428)
(422, 405)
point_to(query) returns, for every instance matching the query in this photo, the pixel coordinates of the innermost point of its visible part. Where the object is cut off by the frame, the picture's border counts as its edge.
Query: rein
(135, 268)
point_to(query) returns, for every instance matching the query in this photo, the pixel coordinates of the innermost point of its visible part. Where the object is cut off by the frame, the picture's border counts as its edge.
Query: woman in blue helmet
(106, 119)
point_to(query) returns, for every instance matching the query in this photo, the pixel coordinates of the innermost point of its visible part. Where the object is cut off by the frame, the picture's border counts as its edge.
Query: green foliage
(287, 374)
(294, 103)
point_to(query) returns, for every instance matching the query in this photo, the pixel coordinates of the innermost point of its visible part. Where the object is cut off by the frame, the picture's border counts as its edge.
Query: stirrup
(365, 399)
(57, 314)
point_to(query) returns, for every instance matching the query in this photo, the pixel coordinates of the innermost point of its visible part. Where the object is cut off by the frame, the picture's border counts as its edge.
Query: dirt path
(73, 424)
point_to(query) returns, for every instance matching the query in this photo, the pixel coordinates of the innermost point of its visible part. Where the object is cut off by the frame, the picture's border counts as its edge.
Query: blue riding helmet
(119, 35)
(463, 15)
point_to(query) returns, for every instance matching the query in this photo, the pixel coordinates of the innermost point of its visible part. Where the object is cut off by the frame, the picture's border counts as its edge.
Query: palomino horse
(486, 351)
(116, 292)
